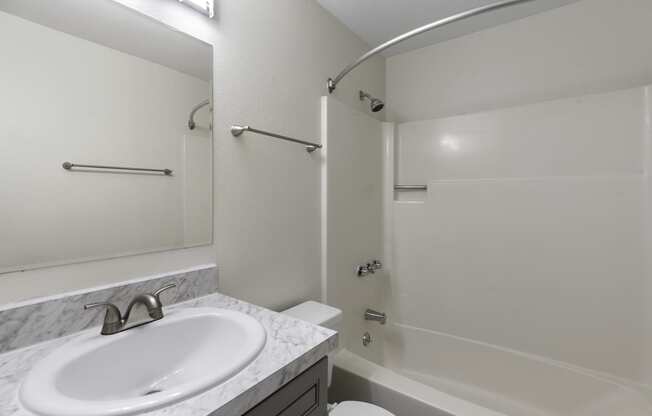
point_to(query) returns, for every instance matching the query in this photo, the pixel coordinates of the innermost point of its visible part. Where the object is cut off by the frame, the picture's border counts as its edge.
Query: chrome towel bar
(70, 166)
(410, 187)
(237, 130)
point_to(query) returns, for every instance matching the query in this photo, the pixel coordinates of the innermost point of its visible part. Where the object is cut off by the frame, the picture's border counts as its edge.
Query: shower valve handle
(369, 268)
(362, 271)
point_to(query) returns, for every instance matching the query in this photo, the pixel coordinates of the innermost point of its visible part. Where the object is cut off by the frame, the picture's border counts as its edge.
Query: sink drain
(154, 391)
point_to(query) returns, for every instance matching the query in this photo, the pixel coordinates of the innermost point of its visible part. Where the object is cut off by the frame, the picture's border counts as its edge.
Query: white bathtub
(425, 373)
(355, 378)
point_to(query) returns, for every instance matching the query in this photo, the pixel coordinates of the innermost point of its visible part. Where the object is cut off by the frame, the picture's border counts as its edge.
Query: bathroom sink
(144, 368)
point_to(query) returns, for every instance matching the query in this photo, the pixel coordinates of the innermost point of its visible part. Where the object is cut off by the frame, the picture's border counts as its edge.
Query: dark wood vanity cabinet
(305, 395)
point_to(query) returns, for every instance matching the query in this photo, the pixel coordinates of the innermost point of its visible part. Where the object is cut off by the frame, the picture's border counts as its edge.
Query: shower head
(374, 103)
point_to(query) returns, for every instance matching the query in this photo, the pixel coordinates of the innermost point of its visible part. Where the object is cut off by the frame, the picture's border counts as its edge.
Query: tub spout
(372, 315)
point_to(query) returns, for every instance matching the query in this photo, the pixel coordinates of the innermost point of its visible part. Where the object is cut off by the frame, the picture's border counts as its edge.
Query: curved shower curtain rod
(332, 82)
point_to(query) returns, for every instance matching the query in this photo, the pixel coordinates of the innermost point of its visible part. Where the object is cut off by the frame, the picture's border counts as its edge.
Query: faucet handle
(111, 309)
(164, 288)
(112, 320)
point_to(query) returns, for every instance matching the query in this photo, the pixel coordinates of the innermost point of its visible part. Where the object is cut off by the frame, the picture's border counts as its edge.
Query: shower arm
(191, 118)
(332, 82)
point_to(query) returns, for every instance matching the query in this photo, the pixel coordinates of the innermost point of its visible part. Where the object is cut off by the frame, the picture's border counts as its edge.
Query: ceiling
(119, 27)
(376, 21)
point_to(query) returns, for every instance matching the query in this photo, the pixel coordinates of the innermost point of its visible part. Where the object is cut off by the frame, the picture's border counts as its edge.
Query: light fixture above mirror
(204, 6)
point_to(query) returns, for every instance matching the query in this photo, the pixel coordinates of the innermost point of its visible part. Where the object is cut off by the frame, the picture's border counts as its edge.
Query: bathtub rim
(415, 390)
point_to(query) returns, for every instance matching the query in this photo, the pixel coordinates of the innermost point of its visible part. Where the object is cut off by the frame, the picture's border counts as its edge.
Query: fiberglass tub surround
(517, 275)
(514, 284)
(528, 254)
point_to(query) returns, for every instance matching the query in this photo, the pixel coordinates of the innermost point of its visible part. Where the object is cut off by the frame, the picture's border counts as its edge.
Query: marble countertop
(292, 347)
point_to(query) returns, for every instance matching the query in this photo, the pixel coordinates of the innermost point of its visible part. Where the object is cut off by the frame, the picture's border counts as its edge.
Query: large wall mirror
(96, 83)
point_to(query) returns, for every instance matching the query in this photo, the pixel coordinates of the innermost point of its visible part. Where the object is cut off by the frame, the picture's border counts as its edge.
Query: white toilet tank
(327, 316)
(319, 314)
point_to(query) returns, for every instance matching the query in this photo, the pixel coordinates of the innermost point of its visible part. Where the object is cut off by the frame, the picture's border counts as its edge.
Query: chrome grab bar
(237, 131)
(70, 166)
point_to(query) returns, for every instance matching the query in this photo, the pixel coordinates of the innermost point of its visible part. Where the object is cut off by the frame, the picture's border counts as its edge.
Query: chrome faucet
(114, 322)
(372, 315)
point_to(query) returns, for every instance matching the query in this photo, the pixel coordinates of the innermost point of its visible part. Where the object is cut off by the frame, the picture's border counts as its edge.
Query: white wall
(533, 233)
(271, 62)
(582, 48)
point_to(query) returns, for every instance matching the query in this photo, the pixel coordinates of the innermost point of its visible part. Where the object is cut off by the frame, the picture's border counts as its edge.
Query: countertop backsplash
(30, 322)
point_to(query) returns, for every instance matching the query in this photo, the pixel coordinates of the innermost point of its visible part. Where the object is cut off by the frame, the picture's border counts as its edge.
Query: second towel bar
(237, 130)
(69, 166)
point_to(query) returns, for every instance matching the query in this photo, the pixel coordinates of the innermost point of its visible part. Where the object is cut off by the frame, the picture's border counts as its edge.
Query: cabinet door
(306, 395)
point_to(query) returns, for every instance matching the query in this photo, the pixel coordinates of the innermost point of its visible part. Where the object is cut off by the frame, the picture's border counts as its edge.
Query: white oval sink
(144, 368)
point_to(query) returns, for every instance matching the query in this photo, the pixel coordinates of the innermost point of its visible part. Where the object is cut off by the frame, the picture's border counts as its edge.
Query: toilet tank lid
(315, 313)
